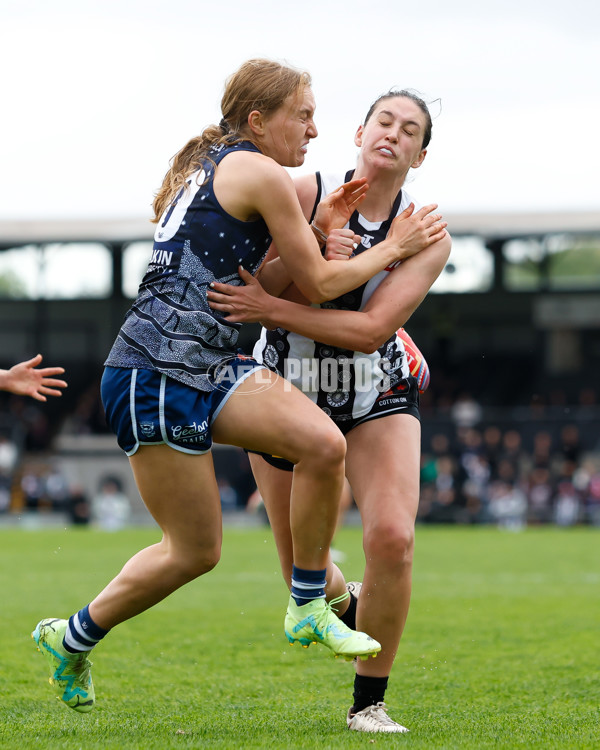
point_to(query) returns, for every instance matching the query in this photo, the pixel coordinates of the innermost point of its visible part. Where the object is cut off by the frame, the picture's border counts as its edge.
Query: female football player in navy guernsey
(173, 382)
(362, 382)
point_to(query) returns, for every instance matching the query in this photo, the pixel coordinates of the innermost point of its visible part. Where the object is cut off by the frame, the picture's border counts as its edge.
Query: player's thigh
(277, 419)
(180, 491)
(383, 466)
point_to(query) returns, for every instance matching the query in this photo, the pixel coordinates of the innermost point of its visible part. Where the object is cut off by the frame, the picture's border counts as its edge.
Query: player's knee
(329, 447)
(323, 455)
(197, 562)
(391, 542)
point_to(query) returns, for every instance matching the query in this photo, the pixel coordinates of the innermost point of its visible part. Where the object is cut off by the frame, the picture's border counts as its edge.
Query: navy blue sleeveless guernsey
(170, 328)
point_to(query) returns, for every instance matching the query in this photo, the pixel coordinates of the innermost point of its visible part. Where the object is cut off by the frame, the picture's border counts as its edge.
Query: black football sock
(368, 691)
(349, 616)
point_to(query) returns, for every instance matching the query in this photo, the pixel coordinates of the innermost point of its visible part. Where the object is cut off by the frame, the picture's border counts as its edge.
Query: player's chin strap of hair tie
(224, 125)
(319, 233)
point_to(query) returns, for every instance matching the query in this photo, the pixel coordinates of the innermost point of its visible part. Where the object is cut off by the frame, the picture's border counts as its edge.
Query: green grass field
(501, 649)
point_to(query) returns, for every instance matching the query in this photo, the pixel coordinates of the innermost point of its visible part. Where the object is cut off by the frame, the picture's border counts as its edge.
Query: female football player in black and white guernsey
(173, 381)
(348, 357)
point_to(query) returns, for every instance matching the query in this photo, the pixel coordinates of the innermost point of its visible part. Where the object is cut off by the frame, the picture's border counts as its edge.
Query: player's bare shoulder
(251, 168)
(245, 180)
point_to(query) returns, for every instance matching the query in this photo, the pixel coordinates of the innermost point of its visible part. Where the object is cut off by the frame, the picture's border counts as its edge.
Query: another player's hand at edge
(24, 379)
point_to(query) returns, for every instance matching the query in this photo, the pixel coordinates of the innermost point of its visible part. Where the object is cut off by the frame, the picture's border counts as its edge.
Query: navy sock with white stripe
(308, 585)
(83, 633)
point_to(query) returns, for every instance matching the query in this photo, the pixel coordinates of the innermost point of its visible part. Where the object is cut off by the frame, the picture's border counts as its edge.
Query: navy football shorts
(145, 407)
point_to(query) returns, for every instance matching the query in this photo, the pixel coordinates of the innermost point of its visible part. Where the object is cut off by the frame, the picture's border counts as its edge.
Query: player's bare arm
(391, 305)
(272, 195)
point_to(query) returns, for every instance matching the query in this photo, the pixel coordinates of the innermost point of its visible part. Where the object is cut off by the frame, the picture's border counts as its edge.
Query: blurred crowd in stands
(514, 467)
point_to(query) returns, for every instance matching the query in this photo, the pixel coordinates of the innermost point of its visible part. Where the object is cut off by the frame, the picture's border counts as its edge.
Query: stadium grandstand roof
(490, 226)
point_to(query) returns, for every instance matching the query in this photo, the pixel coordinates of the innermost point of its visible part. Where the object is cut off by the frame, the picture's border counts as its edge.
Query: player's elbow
(367, 347)
(315, 293)
(320, 283)
(372, 344)
(370, 339)
(445, 247)
(439, 254)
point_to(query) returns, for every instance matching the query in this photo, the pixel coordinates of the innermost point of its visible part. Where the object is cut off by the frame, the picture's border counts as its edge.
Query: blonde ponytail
(192, 157)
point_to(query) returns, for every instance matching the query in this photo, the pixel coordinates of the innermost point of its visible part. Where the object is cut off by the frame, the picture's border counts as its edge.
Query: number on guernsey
(171, 219)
